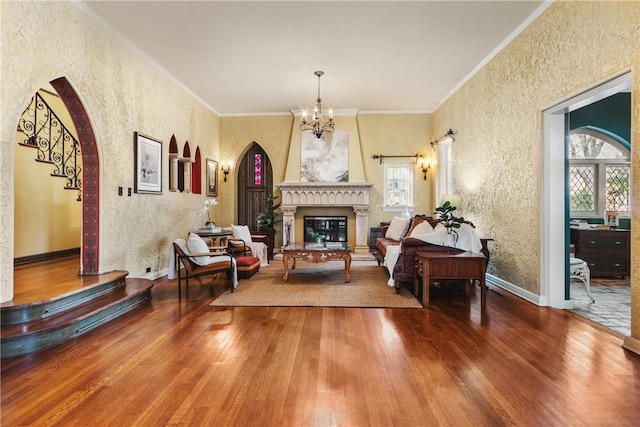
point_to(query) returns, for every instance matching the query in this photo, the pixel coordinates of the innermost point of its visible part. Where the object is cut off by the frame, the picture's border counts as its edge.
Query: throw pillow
(241, 232)
(197, 245)
(423, 228)
(398, 228)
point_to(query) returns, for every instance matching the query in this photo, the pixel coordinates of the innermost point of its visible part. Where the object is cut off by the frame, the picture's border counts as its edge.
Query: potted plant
(449, 220)
(268, 218)
(315, 236)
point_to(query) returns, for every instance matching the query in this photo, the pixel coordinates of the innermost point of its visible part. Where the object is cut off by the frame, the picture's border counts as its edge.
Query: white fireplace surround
(328, 194)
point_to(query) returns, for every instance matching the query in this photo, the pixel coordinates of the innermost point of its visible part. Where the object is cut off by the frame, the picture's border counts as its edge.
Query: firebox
(329, 228)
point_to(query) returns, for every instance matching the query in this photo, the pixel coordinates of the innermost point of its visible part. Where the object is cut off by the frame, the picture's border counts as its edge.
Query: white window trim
(399, 208)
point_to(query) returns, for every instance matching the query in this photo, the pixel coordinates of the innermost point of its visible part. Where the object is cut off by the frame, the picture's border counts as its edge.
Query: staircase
(31, 327)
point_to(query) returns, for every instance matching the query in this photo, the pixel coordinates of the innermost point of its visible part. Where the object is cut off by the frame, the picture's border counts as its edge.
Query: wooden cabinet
(607, 252)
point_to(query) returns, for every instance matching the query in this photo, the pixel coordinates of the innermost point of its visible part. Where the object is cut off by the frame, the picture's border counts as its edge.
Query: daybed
(404, 268)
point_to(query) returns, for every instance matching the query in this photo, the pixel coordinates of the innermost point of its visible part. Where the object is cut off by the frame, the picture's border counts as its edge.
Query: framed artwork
(212, 178)
(324, 159)
(148, 164)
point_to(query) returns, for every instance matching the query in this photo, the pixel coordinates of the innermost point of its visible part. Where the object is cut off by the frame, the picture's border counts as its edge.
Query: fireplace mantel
(327, 194)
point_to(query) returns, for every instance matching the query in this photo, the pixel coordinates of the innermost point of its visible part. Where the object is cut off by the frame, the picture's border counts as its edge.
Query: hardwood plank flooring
(186, 363)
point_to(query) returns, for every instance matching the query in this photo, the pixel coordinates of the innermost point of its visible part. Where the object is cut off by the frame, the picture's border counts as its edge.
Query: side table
(449, 266)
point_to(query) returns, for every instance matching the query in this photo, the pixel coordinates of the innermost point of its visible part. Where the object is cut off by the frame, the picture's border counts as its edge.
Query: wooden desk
(449, 266)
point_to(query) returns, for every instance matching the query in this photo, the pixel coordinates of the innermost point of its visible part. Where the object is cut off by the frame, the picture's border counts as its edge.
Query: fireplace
(328, 228)
(296, 195)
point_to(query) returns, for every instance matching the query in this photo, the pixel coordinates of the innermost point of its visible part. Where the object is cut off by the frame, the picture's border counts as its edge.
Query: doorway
(255, 184)
(90, 232)
(554, 268)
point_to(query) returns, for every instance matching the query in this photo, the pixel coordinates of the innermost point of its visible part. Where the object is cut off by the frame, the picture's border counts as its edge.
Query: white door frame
(552, 243)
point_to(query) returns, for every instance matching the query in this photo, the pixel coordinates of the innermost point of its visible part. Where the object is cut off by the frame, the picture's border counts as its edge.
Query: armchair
(201, 264)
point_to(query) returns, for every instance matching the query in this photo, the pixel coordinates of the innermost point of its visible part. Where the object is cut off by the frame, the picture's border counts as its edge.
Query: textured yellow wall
(47, 217)
(571, 47)
(378, 134)
(395, 134)
(122, 94)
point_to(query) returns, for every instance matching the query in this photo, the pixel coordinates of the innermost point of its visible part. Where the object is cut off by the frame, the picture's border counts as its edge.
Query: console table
(449, 266)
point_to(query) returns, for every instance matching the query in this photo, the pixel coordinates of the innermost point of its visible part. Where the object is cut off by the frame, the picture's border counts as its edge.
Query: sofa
(404, 269)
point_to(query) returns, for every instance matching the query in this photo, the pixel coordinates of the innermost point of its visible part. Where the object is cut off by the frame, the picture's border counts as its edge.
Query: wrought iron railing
(43, 130)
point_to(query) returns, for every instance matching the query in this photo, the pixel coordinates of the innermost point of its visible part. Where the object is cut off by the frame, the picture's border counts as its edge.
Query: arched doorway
(90, 244)
(255, 184)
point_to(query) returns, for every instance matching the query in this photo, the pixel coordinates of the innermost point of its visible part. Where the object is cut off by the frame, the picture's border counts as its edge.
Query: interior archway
(90, 245)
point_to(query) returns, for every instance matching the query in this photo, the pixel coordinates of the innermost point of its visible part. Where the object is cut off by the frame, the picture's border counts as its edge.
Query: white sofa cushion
(241, 232)
(422, 228)
(197, 245)
(398, 228)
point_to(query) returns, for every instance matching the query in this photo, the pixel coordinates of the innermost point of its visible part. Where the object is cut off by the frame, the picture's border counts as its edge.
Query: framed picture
(148, 164)
(212, 178)
(325, 159)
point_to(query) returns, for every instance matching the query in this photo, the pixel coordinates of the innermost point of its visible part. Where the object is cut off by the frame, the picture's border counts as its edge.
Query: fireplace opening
(329, 228)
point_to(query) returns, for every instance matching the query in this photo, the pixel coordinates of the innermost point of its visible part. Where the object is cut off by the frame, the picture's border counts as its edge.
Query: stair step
(91, 287)
(28, 337)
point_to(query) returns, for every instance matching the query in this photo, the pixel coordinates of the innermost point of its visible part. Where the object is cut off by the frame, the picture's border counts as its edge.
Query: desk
(316, 253)
(449, 266)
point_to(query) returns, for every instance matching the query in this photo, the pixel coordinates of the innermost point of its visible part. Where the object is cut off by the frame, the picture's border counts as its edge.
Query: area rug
(318, 285)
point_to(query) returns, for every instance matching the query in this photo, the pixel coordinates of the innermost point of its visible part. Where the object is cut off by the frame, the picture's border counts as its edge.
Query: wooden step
(72, 319)
(90, 287)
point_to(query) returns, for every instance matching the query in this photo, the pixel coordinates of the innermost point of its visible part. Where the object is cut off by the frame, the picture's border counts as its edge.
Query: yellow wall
(390, 134)
(122, 93)
(47, 217)
(572, 47)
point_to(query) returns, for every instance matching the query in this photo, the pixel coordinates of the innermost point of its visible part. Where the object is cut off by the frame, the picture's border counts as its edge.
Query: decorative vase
(210, 224)
(405, 213)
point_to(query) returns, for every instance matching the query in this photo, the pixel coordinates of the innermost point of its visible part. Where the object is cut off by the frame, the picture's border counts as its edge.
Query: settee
(404, 268)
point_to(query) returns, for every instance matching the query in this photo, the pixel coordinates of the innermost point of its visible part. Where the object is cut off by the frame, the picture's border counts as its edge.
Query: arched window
(599, 172)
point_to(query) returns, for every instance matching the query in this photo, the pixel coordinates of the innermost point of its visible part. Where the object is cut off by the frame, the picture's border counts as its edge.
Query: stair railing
(43, 130)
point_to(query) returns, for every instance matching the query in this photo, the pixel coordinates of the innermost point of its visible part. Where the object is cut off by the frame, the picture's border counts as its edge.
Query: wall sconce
(225, 171)
(425, 165)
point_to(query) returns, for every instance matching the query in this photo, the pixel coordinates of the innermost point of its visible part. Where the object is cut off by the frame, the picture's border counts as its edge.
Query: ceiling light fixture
(317, 126)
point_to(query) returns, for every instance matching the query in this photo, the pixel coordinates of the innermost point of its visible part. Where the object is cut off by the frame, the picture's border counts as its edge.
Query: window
(398, 189)
(599, 173)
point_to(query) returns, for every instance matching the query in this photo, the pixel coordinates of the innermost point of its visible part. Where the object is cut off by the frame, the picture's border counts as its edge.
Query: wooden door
(255, 184)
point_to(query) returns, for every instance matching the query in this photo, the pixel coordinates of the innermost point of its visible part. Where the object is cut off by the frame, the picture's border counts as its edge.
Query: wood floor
(186, 363)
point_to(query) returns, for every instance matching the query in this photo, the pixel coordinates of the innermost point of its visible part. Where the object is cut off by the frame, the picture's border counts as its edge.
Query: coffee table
(316, 253)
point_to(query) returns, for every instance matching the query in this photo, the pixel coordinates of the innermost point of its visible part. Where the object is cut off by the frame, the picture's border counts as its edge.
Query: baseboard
(46, 256)
(631, 344)
(515, 290)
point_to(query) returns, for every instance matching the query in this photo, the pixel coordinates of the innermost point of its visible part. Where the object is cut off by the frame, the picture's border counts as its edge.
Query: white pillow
(241, 232)
(423, 228)
(197, 245)
(398, 228)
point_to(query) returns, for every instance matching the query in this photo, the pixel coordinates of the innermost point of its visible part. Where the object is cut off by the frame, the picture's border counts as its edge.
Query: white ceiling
(242, 57)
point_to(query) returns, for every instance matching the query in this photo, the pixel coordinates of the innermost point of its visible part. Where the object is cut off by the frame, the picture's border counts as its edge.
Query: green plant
(269, 217)
(448, 219)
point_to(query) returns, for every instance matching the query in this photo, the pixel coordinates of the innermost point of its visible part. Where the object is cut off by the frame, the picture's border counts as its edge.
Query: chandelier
(317, 126)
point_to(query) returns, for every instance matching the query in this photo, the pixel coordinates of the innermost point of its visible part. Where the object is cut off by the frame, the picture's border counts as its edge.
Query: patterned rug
(318, 285)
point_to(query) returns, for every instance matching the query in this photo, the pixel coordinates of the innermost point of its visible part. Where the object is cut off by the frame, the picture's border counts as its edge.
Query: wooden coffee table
(316, 253)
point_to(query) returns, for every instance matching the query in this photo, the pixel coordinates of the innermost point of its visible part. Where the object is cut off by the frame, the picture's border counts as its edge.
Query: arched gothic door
(255, 184)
